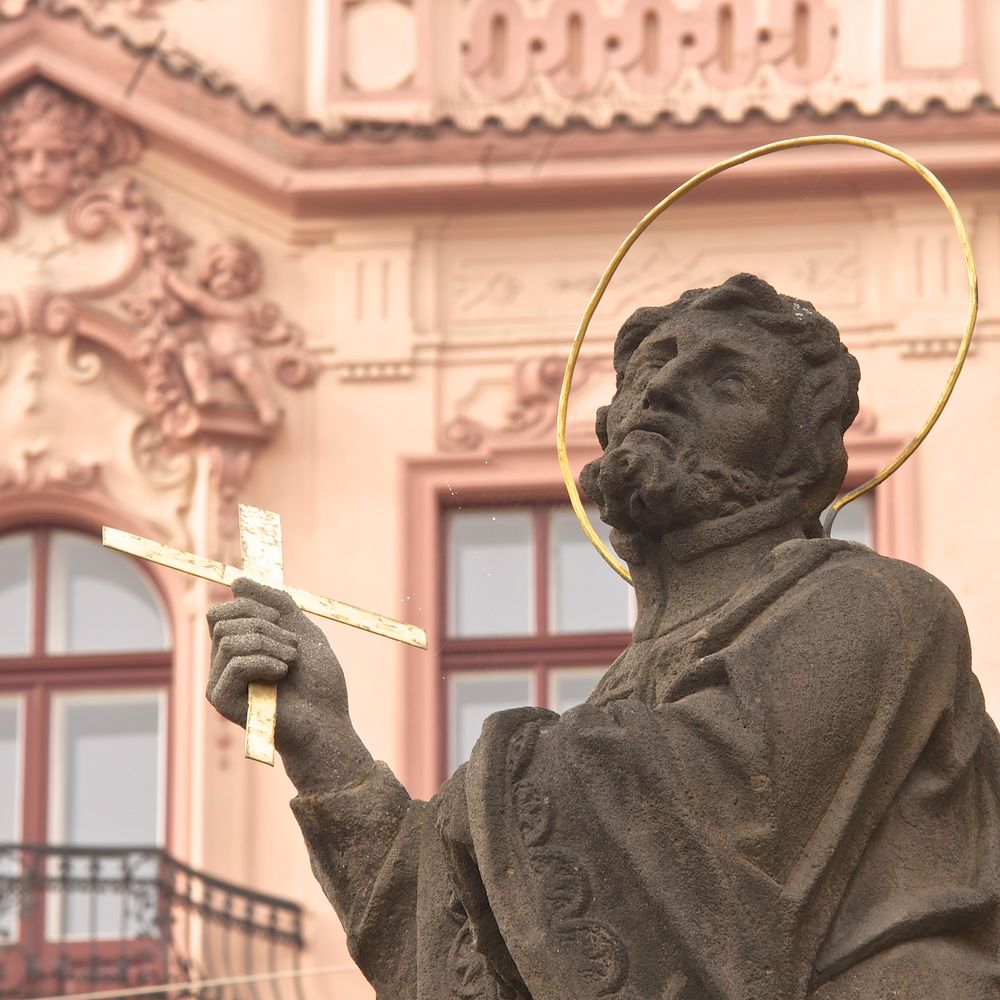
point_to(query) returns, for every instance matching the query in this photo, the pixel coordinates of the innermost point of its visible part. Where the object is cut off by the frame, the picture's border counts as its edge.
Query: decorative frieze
(578, 48)
(568, 60)
(494, 292)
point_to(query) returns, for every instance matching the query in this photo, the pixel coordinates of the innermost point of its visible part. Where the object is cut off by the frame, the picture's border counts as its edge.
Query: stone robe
(795, 795)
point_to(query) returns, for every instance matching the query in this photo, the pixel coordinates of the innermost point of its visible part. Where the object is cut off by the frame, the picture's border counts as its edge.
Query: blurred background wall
(327, 257)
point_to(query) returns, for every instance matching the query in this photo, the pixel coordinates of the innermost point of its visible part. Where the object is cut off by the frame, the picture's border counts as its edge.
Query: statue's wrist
(327, 764)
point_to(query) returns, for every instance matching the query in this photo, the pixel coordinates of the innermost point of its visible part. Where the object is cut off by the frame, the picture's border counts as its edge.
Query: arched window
(84, 672)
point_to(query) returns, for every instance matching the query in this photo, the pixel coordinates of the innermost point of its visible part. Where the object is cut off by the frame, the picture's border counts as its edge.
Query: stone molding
(309, 161)
(395, 65)
(134, 8)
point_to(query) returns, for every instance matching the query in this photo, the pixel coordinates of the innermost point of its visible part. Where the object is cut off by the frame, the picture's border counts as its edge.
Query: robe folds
(795, 795)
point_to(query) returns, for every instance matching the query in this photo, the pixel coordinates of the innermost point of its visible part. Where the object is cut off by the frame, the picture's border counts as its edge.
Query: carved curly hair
(96, 139)
(825, 402)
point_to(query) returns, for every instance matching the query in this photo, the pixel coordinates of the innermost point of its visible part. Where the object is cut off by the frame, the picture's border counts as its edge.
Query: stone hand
(262, 635)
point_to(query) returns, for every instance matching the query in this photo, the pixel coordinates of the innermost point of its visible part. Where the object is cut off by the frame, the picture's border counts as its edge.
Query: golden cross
(260, 548)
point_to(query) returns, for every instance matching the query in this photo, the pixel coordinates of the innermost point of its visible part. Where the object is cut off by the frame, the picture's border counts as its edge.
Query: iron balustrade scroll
(83, 919)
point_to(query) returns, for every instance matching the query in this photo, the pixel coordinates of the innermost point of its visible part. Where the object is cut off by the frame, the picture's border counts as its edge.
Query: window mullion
(40, 588)
(35, 764)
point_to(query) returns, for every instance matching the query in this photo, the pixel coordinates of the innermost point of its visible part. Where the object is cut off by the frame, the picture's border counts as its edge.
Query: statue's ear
(601, 425)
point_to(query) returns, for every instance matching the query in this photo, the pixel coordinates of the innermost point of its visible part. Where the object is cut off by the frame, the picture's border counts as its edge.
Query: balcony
(82, 920)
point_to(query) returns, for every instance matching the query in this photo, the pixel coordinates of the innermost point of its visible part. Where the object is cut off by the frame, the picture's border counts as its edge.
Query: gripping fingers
(246, 646)
(243, 626)
(240, 607)
(230, 693)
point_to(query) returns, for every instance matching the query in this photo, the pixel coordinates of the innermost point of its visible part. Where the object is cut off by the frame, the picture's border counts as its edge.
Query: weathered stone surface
(786, 787)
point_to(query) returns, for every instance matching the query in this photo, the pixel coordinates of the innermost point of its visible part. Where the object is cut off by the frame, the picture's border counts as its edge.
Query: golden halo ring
(675, 195)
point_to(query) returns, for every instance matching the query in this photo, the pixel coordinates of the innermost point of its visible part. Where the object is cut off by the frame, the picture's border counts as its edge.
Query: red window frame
(36, 678)
(540, 652)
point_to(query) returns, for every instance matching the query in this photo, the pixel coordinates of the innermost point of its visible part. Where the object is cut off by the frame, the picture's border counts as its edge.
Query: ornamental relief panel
(603, 59)
(578, 47)
(514, 406)
(542, 289)
(600, 60)
(107, 304)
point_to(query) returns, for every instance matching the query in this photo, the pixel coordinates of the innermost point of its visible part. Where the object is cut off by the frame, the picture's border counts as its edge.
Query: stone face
(786, 787)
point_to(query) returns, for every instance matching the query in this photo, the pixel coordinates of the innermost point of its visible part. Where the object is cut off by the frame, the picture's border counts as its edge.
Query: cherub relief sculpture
(210, 331)
(786, 787)
(223, 337)
(52, 145)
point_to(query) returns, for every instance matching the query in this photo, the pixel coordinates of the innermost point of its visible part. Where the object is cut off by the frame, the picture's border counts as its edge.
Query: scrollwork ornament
(165, 467)
(56, 315)
(82, 365)
(139, 219)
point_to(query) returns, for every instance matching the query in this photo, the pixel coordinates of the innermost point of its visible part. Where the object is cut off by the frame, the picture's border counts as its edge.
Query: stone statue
(785, 787)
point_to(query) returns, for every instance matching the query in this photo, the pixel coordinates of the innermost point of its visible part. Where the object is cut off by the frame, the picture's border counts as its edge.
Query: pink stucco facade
(386, 217)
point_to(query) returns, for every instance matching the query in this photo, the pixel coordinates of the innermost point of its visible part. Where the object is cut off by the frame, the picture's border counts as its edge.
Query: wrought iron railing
(84, 919)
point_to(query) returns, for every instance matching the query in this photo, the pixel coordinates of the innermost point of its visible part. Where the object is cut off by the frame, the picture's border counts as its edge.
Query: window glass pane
(15, 595)
(585, 594)
(107, 790)
(569, 687)
(491, 578)
(10, 769)
(98, 601)
(855, 522)
(476, 695)
(10, 811)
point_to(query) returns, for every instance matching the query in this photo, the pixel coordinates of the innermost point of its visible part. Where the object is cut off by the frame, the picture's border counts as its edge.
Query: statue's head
(231, 269)
(727, 398)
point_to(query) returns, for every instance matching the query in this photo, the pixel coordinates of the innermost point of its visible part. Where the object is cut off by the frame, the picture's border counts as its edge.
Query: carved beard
(648, 486)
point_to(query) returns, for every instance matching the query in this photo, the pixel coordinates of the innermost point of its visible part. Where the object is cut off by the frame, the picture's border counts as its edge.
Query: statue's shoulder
(858, 576)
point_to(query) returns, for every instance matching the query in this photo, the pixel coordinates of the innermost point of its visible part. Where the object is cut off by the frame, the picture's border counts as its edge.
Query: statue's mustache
(651, 481)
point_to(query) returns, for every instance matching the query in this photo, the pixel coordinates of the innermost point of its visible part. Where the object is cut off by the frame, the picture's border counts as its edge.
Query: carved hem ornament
(99, 264)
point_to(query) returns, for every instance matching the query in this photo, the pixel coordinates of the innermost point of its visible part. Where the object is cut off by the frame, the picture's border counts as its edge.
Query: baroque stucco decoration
(524, 412)
(52, 146)
(96, 289)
